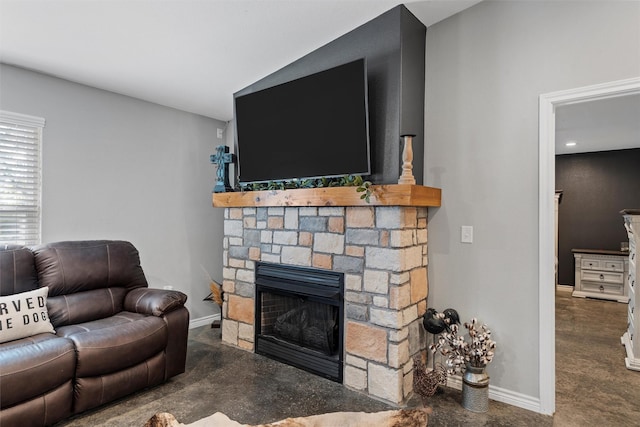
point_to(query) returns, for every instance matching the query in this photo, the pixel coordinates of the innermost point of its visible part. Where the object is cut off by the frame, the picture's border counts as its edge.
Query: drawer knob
(601, 288)
(602, 277)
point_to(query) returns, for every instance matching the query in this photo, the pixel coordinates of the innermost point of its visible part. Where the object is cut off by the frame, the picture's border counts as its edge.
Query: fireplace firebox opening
(299, 317)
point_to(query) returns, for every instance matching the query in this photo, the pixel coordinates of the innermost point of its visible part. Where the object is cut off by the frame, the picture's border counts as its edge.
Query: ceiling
(599, 125)
(187, 54)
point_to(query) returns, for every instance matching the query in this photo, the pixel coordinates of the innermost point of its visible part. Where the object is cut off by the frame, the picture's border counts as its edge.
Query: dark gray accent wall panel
(394, 47)
(596, 186)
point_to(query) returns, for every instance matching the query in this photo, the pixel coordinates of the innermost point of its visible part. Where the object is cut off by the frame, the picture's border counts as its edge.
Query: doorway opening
(546, 225)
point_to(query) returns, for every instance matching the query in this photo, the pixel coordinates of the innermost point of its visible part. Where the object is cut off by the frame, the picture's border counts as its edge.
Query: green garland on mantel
(357, 181)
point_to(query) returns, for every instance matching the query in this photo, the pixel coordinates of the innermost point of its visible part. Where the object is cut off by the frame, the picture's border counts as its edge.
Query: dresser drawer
(612, 265)
(603, 277)
(603, 288)
(590, 264)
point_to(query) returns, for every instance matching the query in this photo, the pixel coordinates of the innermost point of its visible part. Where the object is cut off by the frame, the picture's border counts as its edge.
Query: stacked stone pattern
(383, 253)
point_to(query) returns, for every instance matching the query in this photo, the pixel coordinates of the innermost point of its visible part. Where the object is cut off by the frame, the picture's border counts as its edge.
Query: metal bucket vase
(475, 389)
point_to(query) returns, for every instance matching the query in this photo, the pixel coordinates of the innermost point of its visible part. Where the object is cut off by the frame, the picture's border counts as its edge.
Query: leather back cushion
(79, 266)
(85, 306)
(17, 270)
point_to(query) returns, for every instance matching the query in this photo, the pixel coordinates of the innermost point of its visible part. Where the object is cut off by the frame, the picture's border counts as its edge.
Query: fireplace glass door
(299, 314)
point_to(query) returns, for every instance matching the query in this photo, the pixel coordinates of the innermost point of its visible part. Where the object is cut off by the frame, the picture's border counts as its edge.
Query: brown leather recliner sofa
(113, 334)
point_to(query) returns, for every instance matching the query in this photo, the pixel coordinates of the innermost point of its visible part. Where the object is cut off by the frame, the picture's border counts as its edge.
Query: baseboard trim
(203, 321)
(564, 288)
(503, 395)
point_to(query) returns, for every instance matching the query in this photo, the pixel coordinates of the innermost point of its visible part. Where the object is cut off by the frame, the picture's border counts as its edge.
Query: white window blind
(20, 178)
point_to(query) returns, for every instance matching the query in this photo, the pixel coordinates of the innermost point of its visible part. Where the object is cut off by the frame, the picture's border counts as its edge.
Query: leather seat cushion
(33, 366)
(115, 343)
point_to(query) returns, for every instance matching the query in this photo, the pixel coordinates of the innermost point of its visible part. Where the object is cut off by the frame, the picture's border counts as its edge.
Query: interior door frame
(546, 188)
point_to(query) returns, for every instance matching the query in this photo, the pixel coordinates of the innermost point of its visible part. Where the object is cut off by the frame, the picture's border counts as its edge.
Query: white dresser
(601, 274)
(630, 339)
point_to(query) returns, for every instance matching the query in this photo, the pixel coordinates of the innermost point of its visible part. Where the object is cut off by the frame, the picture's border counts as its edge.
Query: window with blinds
(20, 178)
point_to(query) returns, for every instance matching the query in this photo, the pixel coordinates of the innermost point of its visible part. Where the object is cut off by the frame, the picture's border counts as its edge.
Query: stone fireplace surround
(382, 250)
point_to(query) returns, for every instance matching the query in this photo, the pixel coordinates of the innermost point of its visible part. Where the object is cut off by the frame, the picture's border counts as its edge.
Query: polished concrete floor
(593, 387)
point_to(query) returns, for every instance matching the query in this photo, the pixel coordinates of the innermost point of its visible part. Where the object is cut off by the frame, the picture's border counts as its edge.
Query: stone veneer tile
(355, 378)
(323, 261)
(246, 332)
(385, 383)
(362, 236)
(330, 211)
(239, 252)
(357, 251)
(275, 222)
(233, 228)
(262, 214)
(296, 255)
(285, 237)
(385, 317)
(249, 222)
(402, 238)
(352, 282)
(235, 213)
(356, 312)
(400, 335)
(275, 259)
(335, 224)
(376, 281)
(348, 264)
(355, 361)
(266, 236)
(360, 217)
(380, 301)
(409, 314)
(313, 223)
(305, 238)
(291, 219)
(241, 309)
(308, 211)
(366, 341)
(230, 331)
(254, 253)
(332, 243)
(400, 297)
(245, 275)
(275, 211)
(398, 354)
(418, 284)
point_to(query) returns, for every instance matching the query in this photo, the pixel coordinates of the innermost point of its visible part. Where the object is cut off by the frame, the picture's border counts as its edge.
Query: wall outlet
(167, 288)
(220, 133)
(466, 234)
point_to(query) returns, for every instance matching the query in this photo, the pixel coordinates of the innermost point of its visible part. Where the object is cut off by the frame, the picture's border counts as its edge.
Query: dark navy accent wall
(394, 47)
(596, 187)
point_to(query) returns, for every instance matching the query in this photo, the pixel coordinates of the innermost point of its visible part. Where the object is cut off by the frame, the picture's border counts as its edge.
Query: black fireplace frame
(313, 284)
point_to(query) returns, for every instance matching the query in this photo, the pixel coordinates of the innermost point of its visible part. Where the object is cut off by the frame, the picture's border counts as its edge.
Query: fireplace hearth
(299, 317)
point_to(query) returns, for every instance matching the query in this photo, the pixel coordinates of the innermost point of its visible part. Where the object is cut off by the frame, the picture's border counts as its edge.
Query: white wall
(115, 167)
(486, 68)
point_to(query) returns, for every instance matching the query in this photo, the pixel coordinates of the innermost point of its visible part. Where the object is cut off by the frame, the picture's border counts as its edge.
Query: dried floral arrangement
(458, 352)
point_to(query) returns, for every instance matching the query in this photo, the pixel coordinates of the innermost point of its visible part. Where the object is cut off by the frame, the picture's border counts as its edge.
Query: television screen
(315, 126)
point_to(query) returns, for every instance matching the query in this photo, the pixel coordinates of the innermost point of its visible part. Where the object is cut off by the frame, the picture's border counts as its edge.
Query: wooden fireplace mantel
(383, 195)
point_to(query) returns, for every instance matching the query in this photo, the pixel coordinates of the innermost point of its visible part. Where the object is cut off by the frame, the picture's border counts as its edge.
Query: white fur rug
(395, 418)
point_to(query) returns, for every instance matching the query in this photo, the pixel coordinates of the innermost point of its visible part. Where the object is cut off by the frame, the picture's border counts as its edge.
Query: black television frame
(362, 149)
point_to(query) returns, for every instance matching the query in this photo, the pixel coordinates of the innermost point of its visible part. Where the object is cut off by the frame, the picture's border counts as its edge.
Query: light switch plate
(466, 234)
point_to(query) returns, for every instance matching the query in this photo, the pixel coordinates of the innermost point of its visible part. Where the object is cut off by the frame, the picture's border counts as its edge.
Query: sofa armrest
(153, 301)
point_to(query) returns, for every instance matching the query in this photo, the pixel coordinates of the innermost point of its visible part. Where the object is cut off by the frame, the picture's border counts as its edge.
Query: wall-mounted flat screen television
(314, 126)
